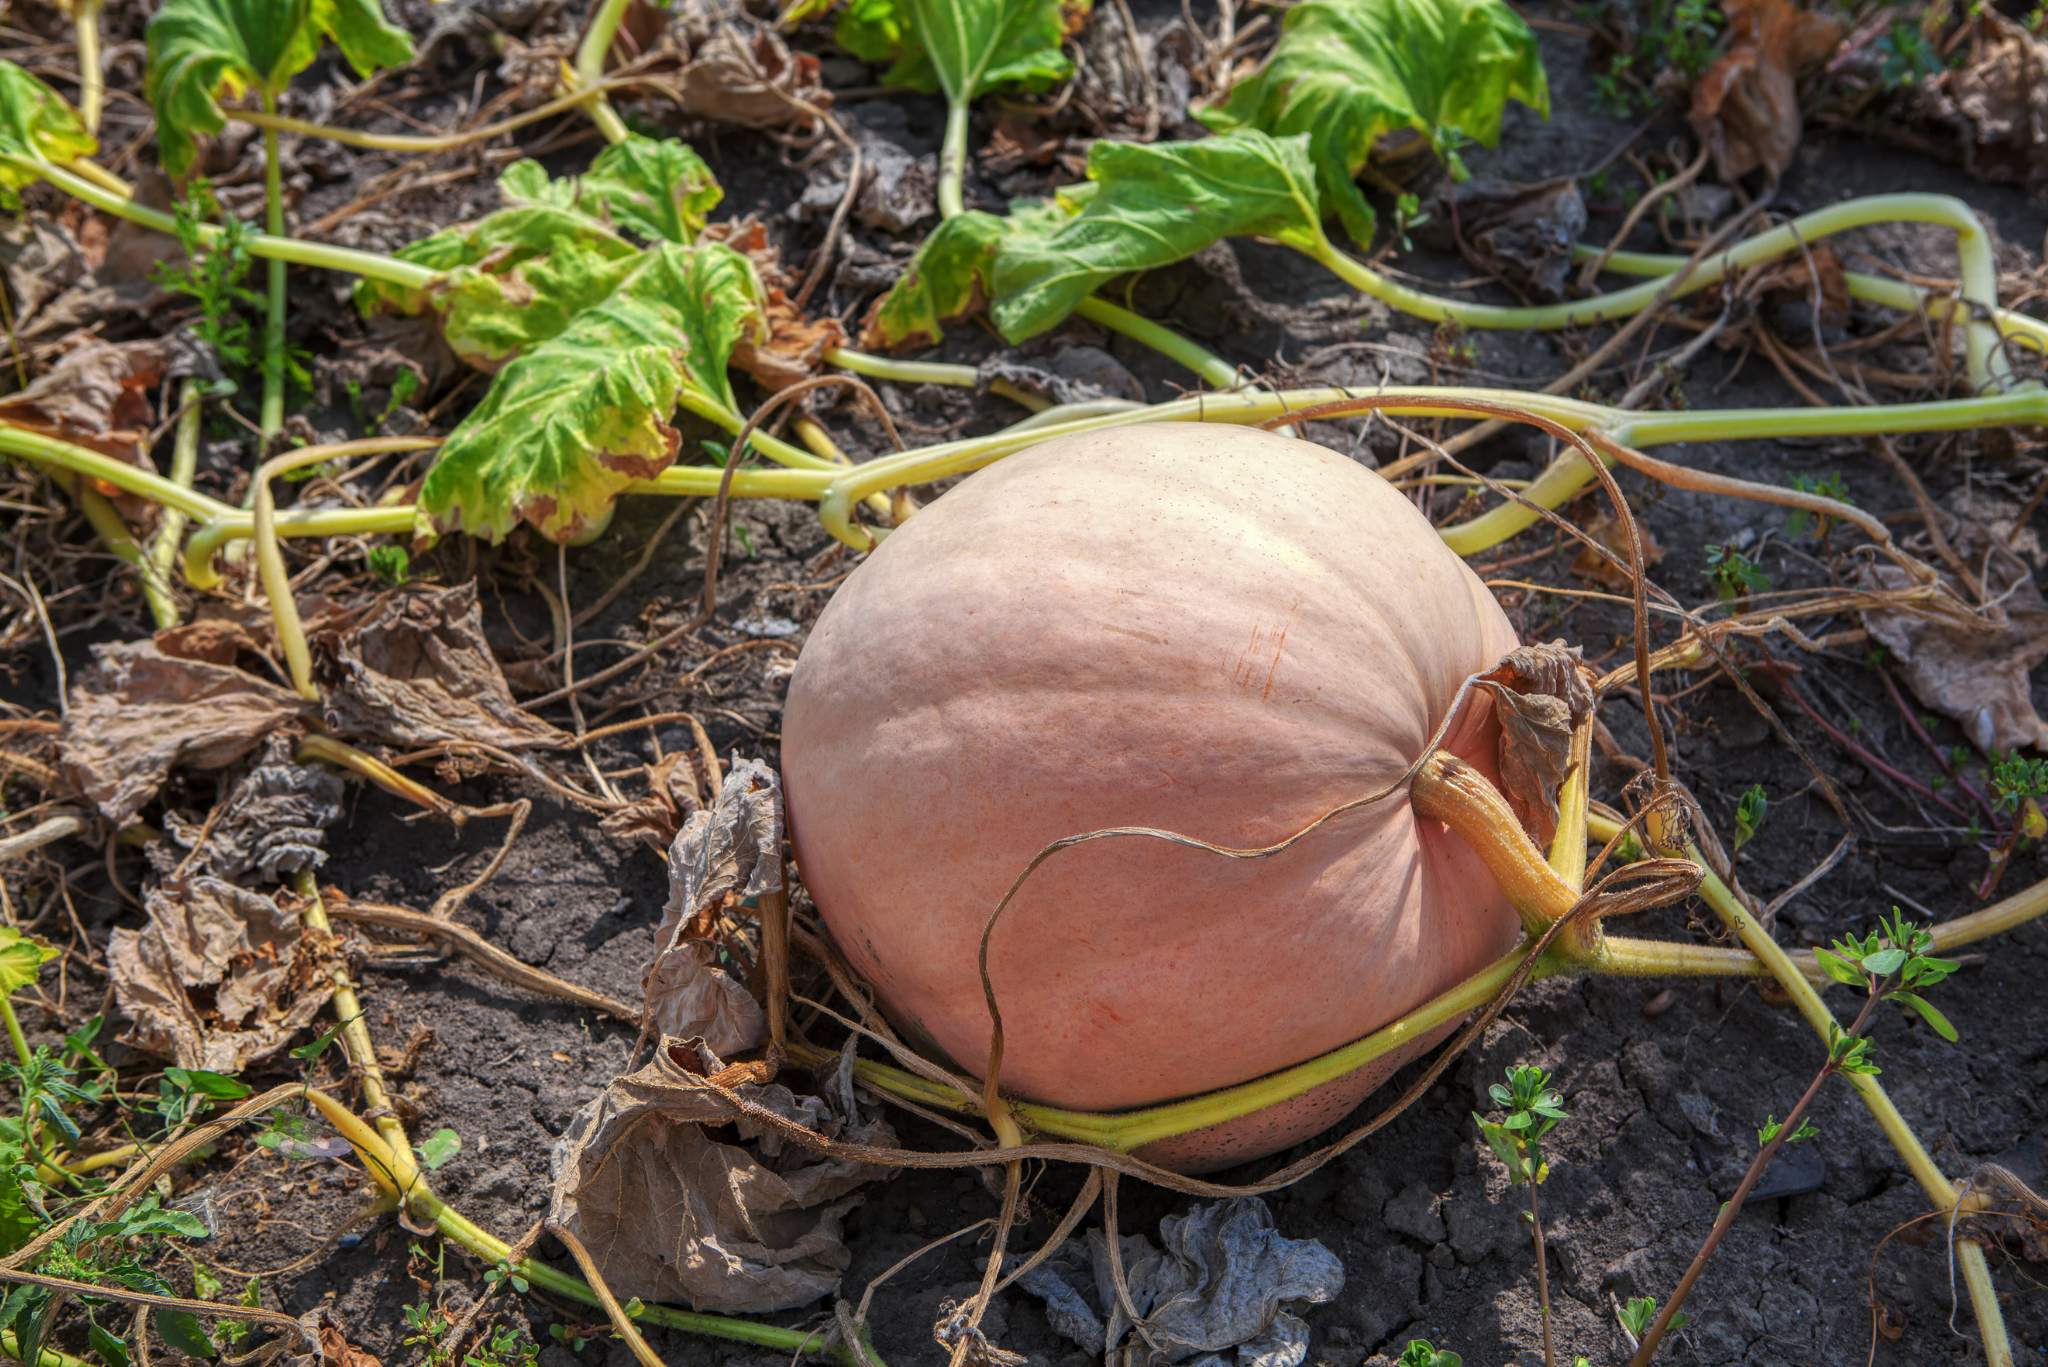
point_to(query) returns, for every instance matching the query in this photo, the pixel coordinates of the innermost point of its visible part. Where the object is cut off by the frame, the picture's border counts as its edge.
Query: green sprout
(1771, 1129)
(391, 563)
(1734, 576)
(1408, 215)
(212, 275)
(1892, 963)
(1830, 485)
(1908, 53)
(1639, 1313)
(1531, 1109)
(1749, 814)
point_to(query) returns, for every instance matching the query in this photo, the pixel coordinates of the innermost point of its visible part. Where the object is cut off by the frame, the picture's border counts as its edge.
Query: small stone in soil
(1414, 1213)
(1479, 1228)
(1797, 1170)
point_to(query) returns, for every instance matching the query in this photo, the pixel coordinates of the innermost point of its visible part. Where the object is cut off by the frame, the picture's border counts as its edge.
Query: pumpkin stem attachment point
(1449, 790)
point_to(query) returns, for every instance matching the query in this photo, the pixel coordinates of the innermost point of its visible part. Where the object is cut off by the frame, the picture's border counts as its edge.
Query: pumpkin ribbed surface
(1211, 630)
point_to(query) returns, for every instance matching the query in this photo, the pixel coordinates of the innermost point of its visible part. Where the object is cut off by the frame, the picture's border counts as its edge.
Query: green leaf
(569, 424)
(111, 1348)
(1500, 1140)
(1154, 205)
(308, 1053)
(947, 280)
(37, 125)
(21, 958)
(949, 277)
(1349, 72)
(963, 48)
(1749, 814)
(1838, 968)
(1928, 1013)
(216, 1085)
(438, 1147)
(1884, 963)
(659, 190)
(1925, 970)
(182, 1331)
(390, 563)
(150, 1220)
(878, 31)
(201, 49)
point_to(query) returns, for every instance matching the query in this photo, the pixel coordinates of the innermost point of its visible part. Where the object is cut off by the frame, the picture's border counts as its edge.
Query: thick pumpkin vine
(601, 307)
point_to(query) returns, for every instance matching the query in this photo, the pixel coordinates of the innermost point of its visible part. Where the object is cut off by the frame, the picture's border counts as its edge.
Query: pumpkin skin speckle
(1208, 629)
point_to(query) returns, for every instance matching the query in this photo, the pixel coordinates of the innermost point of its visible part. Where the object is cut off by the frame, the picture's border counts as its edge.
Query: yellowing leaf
(512, 279)
(518, 276)
(573, 421)
(36, 125)
(945, 281)
(199, 49)
(662, 191)
(1154, 205)
(1349, 72)
(21, 959)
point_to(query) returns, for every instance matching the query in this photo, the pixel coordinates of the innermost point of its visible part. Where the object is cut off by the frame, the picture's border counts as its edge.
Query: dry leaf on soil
(416, 670)
(1520, 234)
(671, 1213)
(1073, 374)
(273, 822)
(729, 851)
(745, 76)
(1608, 530)
(1746, 106)
(58, 286)
(145, 708)
(336, 1350)
(658, 814)
(1994, 101)
(794, 347)
(1540, 694)
(220, 978)
(96, 395)
(1979, 676)
(1215, 1294)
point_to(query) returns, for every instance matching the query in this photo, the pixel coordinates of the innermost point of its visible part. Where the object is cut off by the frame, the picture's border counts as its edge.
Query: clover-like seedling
(1421, 1353)
(1892, 964)
(1734, 575)
(1533, 1109)
(1639, 1313)
(1771, 1129)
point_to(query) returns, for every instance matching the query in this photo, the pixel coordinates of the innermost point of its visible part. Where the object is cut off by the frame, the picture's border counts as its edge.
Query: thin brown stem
(1912, 720)
(1542, 1272)
(1864, 756)
(1733, 1207)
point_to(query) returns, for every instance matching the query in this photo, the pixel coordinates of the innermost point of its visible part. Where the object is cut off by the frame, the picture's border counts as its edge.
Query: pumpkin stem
(1449, 790)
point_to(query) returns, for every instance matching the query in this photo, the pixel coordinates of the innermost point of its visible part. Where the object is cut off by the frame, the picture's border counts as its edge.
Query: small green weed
(1734, 575)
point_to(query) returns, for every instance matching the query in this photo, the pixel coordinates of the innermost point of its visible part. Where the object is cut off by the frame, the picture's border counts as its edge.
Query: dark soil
(1665, 1087)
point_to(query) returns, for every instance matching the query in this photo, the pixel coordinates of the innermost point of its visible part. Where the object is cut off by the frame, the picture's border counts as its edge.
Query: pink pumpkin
(1208, 629)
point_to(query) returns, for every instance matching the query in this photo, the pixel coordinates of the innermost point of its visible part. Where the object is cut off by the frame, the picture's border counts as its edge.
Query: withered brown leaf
(672, 1213)
(1746, 106)
(220, 977)
(144, 709)
(1541, 695)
